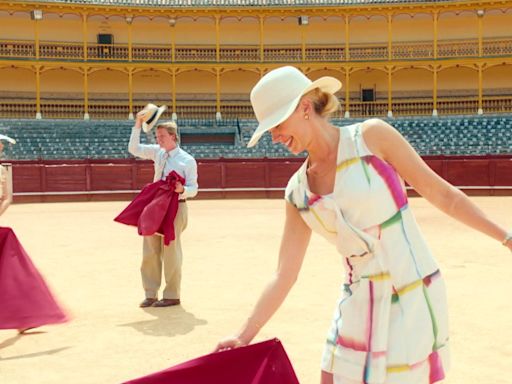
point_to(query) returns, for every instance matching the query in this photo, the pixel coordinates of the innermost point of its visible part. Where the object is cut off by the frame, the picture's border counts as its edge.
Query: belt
(182, 201)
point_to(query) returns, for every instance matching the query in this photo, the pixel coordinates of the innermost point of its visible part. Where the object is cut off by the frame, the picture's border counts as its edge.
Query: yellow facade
(396, 59)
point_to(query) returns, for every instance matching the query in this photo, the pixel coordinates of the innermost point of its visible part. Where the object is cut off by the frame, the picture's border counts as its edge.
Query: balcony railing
(15, 49)
(105, 109)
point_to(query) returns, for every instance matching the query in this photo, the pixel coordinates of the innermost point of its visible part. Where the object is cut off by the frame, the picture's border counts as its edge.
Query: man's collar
(173, 152)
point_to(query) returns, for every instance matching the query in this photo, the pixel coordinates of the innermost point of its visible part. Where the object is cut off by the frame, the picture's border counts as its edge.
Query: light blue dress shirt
(176, 160)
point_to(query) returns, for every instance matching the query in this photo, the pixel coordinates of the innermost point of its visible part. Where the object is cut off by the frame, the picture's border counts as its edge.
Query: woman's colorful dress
(390, 324)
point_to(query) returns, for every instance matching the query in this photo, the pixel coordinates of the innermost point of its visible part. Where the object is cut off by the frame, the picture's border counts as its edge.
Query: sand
(230, 251)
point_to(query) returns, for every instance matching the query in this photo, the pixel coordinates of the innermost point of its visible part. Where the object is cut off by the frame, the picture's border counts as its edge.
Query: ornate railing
(105, 109)
(13, 49)
(57, 51)
(108, 52)
(240, 54)
(458, 49)
(18, 49)
(151, 53)
(368, 52)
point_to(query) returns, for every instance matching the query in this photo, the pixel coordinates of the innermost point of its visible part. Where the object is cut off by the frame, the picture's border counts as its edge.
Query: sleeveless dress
(390, 324)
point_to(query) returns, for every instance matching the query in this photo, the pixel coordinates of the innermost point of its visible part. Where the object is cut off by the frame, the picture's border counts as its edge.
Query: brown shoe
(166, 302)
(148, 302)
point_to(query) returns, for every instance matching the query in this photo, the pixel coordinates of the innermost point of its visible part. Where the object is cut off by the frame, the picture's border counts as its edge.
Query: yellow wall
(60, 81)
(108, 82)
(462, 26)
(196, 83)
(498, 79)
(151, 32)
(17, 26)
(364, 30)
(330, 31)
(195, 32)
(462, 81)
(152, 82)
(418, 27)
(238, 82)
(368, 79)
(409, 81)
(279, 31)
(245, 31)
(65, 28)
(17, 80)
(497, 24)
(116, 26)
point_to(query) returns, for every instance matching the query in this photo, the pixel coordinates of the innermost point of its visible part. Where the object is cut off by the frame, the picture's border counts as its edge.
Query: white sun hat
(7, 138)
(277, 94)
(151, 115)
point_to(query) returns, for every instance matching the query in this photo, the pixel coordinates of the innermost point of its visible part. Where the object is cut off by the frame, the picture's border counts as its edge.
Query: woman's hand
(229, 343)
(508, 243)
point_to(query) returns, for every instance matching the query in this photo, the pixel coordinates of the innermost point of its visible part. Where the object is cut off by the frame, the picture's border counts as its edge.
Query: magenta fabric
(25, 299)
(261, 363)
(154, 209)
(389, 175)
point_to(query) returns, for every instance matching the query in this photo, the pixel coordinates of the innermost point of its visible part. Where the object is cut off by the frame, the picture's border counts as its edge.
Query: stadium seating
(74, 139)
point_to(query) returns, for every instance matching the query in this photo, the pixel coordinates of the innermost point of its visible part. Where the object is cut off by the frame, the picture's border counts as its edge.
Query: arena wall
(83, 180)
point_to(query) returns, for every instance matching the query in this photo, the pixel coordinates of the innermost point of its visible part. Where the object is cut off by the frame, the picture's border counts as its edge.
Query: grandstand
(73, 73)
(210, 139)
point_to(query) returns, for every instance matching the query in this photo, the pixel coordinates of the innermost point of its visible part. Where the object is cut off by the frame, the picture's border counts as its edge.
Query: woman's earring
(306, 116)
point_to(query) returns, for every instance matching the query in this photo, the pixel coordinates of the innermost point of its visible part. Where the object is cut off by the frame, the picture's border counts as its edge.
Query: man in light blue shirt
(167, 156)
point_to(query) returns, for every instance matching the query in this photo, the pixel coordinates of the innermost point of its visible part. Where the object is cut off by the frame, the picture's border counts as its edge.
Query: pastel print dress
(390, 324)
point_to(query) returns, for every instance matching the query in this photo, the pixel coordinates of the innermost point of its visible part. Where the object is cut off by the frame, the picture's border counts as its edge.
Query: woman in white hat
(390, 324)
(26, 301)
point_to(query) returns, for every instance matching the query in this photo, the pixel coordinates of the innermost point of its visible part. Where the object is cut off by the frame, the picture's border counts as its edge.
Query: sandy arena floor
(92, 265)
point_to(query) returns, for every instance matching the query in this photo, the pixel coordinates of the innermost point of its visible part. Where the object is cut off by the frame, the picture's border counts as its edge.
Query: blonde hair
(324, 103)
(172, 128)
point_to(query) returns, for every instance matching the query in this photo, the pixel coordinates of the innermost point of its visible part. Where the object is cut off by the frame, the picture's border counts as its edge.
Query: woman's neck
(325, 146)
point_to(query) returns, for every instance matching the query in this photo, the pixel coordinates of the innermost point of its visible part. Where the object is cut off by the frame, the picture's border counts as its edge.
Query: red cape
(25, 300)
(262, 363)
(154, 209)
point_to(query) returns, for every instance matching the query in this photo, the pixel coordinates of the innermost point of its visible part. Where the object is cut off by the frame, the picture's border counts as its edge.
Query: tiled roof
(235, 3)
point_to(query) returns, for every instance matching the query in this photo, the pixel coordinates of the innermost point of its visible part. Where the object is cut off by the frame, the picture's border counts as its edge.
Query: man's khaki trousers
(155, 255)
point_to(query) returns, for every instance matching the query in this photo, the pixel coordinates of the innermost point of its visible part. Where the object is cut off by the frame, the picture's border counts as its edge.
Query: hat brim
(148, 127)
(326, 84)
(7, 138)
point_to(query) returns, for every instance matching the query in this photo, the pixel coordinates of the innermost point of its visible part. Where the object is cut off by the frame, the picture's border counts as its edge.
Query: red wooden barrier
(121, 179)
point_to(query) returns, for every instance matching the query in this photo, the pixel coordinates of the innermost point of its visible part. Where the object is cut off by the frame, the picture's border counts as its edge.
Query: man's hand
(139, 118)
(179, 187)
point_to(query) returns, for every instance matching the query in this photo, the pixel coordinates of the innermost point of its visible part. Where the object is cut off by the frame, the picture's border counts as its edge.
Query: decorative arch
(409, 82)
(239, 31)
(368, 29)
(457, 81)
(196, 85)
(108, 81)
(456, 25)
(18, 81)
(368, 78)
(236, 83)
(61, 83)
(152, 84)
(195, 31)
(409, 27)
(497, 79)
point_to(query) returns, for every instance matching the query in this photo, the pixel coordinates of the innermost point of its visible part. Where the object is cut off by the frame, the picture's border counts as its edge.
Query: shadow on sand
(169, 321)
